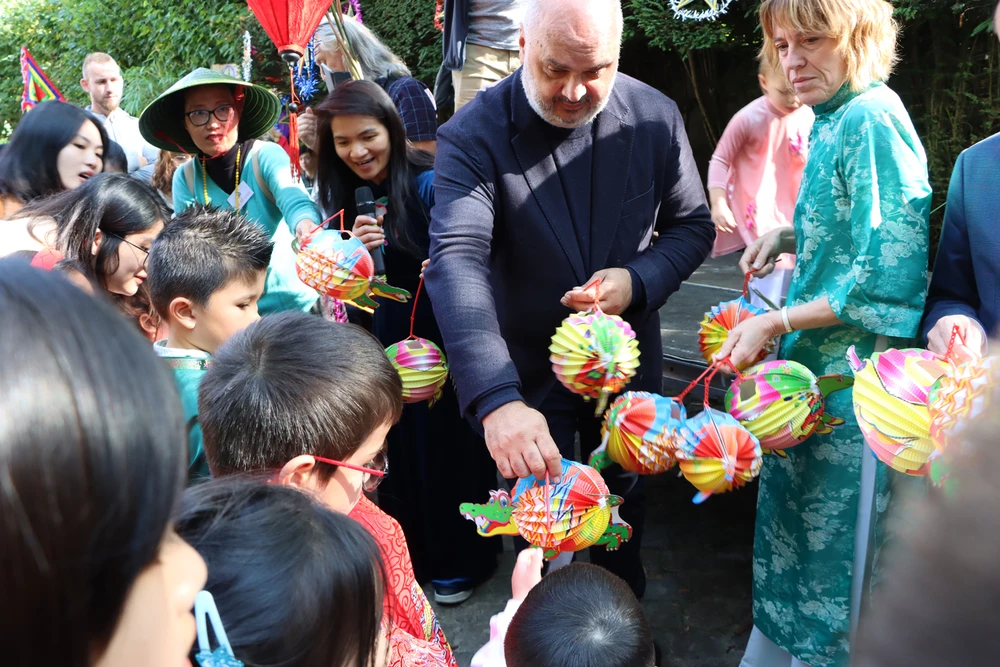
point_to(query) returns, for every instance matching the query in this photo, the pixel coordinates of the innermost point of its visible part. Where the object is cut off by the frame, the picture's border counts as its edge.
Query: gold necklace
(204, 179)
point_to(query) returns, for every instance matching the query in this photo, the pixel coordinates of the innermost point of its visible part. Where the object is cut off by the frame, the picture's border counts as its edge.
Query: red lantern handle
(413, 313)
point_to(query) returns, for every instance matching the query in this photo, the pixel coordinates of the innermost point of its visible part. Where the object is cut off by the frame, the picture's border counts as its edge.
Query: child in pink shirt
(754, 176)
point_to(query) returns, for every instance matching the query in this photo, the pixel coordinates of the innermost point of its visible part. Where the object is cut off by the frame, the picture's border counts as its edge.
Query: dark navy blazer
(966, 278)
(503, 246)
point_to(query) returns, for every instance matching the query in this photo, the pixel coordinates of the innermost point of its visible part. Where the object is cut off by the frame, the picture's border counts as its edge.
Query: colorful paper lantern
(782, 403)
(722, 319)
(422, 368)
(958, 397)
(891, 393)
(640, 432)
(574, 514)
(336, 264)
(716, 454)
(594, 354)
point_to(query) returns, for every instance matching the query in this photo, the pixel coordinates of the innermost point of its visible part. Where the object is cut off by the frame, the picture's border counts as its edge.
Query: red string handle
(321, 225)
(413, 313)
(707, 376)
(956, 335)
(747, 277)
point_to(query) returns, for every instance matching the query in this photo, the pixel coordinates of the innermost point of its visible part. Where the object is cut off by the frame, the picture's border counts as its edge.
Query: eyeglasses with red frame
(375, 471)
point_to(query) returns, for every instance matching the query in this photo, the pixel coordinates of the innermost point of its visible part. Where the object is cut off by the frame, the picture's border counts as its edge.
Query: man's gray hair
(375, 58)
(534, 8)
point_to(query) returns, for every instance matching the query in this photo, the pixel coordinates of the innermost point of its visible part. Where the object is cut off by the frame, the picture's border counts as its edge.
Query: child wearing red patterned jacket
(308, 404)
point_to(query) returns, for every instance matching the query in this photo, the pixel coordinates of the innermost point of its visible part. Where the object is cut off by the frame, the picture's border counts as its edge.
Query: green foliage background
(948, 74)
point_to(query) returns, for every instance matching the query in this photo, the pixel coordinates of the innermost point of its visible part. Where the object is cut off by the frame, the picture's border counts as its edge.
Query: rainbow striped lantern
(782, 403)
(958, 397)
(716, 454)
(594, 354)
(891, 395)
(576, 513)
(640, 432)
(422, 368)
(336, 264)
(722, 319)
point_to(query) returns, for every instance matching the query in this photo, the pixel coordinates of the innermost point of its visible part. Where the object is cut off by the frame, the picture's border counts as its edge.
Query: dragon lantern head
(493, 518)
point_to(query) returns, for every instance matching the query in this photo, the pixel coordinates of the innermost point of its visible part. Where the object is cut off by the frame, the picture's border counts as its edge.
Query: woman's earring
(204, 606)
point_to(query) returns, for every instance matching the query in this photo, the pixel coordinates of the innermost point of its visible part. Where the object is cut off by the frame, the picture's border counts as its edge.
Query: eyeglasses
(201, 117)
(145, 256)
(375, 471)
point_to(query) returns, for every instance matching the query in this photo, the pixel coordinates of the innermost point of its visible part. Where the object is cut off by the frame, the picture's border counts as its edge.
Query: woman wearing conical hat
(217, 119)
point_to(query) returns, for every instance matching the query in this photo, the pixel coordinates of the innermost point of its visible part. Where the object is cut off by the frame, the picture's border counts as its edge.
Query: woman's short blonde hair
(864, 29)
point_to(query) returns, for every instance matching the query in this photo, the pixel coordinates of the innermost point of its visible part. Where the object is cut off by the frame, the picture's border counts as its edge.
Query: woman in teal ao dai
(861, 241)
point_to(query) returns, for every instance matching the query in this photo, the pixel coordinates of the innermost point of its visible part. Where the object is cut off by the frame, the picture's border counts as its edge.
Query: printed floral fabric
(861, 227)
(417, 638)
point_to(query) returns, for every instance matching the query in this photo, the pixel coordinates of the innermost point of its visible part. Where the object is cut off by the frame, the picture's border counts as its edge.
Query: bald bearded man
(560, 173)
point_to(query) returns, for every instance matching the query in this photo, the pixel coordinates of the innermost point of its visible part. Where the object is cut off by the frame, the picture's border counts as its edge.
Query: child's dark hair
(115, 160)
(580, 615)
(294, 384)
(201, 251)
(138, 309)
(296, 584)
(937, 603)
(92, 470)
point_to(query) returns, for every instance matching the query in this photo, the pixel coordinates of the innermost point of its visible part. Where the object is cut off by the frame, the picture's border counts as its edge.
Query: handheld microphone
(364, 200)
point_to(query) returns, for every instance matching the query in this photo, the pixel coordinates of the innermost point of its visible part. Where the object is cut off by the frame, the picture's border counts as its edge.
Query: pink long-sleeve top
(759, 163)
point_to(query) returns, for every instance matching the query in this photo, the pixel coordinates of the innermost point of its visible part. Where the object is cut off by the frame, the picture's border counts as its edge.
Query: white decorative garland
(246, 55)
(682, 9)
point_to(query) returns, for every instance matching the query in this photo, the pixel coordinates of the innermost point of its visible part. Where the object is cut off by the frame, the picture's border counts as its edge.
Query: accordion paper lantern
(336, 264)
(574, 514)
(716, 454)
(891, 395)
(782, 403)
(594, 354)
(722, 319)
(640, 432)
(958, 397)
(421, 366)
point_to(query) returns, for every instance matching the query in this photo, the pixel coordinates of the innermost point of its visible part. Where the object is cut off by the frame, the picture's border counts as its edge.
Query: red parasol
(290, 24)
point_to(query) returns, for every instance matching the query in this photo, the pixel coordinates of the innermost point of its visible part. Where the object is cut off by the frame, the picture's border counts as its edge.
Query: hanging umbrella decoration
(335, 263)
(576, 513)
(639, 433)
(290, 24)
(594, 354)
(420, 363)
(723, 318)
(891, 394)
(782, 403)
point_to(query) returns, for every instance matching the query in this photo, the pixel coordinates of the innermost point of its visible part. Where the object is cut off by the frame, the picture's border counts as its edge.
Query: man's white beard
(546, 109)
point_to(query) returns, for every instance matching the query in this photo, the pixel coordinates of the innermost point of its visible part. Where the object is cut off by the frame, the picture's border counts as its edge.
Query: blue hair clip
(204, 606)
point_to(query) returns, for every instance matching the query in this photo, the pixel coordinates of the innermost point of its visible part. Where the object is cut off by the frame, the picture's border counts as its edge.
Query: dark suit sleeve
(458, 277)
(684, 223)
(953, 288)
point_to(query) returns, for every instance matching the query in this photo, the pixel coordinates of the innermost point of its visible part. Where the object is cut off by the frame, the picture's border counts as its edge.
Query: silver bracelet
(784, 320)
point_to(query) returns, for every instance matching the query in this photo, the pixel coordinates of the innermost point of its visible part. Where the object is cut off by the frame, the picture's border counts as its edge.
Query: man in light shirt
(102, 80)
(480, 43)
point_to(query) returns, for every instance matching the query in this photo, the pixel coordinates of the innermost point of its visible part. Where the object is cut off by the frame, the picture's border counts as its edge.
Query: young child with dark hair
(580, 615)
(269, 549)
(309, 403)
(206, 275)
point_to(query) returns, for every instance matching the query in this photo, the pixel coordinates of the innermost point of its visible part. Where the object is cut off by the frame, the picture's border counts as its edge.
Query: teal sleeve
(884, 195)
(290, 196)
(183, 197)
